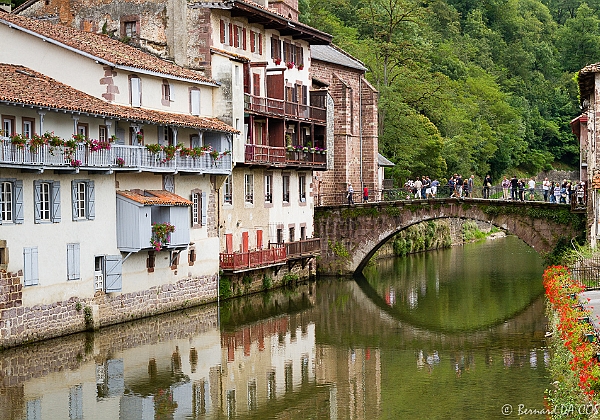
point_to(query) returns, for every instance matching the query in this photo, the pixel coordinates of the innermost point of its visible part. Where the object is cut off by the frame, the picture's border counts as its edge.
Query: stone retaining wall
(19, 324)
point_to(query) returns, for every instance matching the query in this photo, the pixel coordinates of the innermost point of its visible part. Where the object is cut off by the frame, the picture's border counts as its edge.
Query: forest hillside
(469, 86)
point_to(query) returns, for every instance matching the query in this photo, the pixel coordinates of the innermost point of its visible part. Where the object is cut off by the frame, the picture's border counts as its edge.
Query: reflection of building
(355, 378)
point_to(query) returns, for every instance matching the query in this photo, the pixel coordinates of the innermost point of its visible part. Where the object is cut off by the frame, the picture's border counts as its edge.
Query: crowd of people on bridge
(515, 189)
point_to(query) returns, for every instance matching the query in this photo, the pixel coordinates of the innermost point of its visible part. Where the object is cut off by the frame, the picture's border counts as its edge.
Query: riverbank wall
(432, 235)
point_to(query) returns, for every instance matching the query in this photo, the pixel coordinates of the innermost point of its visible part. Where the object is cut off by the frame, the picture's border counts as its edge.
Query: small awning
(155, 198)
(384, 162)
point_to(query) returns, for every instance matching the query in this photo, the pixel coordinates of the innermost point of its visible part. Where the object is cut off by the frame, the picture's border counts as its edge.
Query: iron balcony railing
(118, 157)
(271, 155)
(282, 107)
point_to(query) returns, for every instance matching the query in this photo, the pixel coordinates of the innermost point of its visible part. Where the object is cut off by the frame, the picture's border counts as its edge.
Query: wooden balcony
(305, 248)
(281, 156)
(243, 261)
(276, 254)
(117, 158)
(280, 107)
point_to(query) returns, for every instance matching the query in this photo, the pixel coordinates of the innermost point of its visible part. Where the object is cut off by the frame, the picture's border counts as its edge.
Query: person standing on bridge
(365, 195)
(545, 188)
(532, 189)
(487, 184)
(350, 194)
(505, 187)
(514, 187)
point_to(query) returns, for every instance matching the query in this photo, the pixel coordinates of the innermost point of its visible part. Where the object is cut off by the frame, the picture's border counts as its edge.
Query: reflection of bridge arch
(351, 235)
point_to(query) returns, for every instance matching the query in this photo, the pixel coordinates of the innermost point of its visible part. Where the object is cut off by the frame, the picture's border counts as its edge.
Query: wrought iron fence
(587, 271)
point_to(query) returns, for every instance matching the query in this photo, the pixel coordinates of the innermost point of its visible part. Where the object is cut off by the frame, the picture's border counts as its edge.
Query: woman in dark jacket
(487, 184)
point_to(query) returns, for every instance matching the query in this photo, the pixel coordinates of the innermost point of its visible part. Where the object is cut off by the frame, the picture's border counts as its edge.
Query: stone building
(354, 140)
(90, 168)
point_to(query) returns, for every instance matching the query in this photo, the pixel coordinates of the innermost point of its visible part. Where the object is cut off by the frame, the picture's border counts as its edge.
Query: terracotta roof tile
(22, 85)
(102, 47)
(155, 197)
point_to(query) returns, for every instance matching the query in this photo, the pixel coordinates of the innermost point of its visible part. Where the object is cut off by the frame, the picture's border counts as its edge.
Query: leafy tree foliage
(469, 86)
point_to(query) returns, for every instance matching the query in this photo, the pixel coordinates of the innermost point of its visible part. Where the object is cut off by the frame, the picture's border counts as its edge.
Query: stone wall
(355, 142)
(19, 324)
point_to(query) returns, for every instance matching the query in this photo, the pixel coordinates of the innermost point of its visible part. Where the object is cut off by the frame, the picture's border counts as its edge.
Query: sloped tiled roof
(102, 48)
(155, 198)
(21, 85)
(332, 54)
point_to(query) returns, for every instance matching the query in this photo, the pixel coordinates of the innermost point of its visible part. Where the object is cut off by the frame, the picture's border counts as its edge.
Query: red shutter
(260, 44)
(275, 86)
(259, 241)
(222, 32)
(251, 41)
(244, 241)
(299, 56)
(244, 38)
(231, 34)
(256, 83)
(229, 243)
(235, 36)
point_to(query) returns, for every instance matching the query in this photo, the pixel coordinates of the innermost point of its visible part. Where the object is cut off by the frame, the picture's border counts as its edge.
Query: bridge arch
(350, 236)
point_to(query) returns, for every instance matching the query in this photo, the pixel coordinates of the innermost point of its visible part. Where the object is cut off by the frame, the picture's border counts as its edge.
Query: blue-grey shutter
(30, 266)
(74, 199)
(114, 273)
(115, 377)
(91, 200)
(56, 201)
(204, 209)
(37, 193)
(161, 135)
(73, 262)
(18, 217)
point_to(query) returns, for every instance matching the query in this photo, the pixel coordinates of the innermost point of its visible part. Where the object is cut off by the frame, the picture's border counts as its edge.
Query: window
(268, 188)
(237, 36)
(299, 56)
(130, 29)
(28, 127)
(255, 42)
(292, 233)
(227, 191)
(82, 129)
(102, 133)
(30, 266)
(225, 33)
(286, 188)
(252, 396)
(73, 270)
(275, 48)
(46, 201)
(135, 91)
(302, 188)
(11, 201)
(199, 208)
(168, 93)
(83, 200)
(165, 136)
(194, 101)
(8, 126)
(249, 188)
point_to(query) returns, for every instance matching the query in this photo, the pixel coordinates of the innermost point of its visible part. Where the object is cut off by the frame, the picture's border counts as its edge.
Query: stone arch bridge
(350, 235)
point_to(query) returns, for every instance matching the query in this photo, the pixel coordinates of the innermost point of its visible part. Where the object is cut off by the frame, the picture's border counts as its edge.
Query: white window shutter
(195, 101)
(136, 92)
(204, 208)
(56, 202)
(91, 197)
(18, 218)
(114, 273)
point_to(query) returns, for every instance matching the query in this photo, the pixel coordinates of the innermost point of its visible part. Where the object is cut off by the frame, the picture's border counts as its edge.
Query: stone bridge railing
(351, 235)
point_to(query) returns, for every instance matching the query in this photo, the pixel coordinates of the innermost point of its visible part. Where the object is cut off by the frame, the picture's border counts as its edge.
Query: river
(457, 333)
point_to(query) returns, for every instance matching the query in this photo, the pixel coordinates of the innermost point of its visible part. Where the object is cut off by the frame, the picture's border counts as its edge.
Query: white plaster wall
(294, 213)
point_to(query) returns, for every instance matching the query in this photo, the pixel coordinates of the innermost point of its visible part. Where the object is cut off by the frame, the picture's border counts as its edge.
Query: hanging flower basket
(161, 233)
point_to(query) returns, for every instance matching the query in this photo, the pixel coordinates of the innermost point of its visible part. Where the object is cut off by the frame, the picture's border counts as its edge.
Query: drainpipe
(360, 134)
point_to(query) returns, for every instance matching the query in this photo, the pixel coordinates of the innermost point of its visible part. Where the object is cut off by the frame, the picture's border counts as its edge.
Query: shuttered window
(11, 201)
(136, 91)
(83, 199)
(46, 201)
(199, 208)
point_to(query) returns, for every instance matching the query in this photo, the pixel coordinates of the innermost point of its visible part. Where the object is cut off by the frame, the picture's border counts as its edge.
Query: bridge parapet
(352, 234)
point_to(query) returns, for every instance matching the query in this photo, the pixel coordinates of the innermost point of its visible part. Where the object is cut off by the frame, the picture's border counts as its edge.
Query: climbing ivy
(338, 249)
(561, 216)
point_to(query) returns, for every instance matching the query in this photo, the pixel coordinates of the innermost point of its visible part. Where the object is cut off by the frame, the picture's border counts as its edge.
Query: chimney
(287, 8)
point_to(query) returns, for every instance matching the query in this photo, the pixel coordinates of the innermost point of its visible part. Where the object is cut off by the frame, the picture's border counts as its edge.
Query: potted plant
(120, 162)
(301, 67)
(18, 140)
(277, 61)
(290, 65)
(160, 234)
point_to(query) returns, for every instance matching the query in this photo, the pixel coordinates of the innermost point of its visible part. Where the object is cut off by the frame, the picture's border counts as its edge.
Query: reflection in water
(331, 350)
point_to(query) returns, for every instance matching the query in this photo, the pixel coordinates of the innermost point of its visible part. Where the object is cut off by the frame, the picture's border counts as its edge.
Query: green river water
(451, 334)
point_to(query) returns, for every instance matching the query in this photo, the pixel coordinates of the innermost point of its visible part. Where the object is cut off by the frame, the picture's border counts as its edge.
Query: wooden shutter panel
(256, 84)
(30, 266)
(260, 44)
(252, 42)
(236, 32)
(114, 273)
(231, 34)
(299, 55)
(229, 243)
(195, 102)
(91, 200)
(222, 32)
(74, 199)
(244, 241)
(204, 208)
(73, 262)
(18, 191)
(259, 239)
(244, 38)
(56, 202)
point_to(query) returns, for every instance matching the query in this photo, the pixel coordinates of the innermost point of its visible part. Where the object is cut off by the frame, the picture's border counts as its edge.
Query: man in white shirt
(532, 189)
